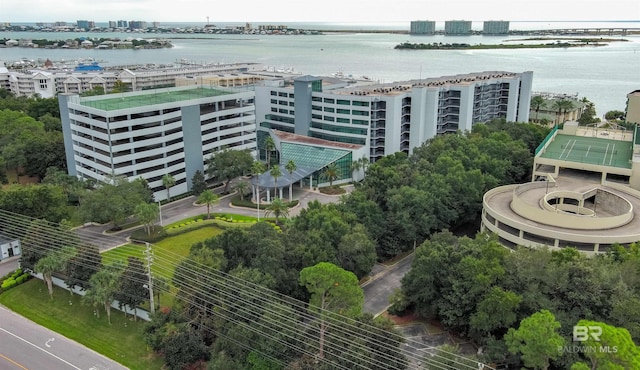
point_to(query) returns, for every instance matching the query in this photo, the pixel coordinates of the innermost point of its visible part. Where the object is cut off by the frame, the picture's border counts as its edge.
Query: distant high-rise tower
(123, 24)
(113, 24)
(495, 28)
(422, 27)
(457, 27)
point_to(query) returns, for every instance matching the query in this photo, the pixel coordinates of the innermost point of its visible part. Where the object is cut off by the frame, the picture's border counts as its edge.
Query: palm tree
(242, 187)
(355, 167)
(207, 197)
(563, 106)
(168, 181)
(557, 104)
(103, 286)
(330, 173)
(275, 172)
(567, 105)
(277, 208)
(359, 164)
(290, 167)
(257, 168)
(537, 102)
(53, 262)
(269, 146)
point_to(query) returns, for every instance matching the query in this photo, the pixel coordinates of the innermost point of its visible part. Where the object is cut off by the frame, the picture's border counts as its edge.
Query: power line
(256, 292)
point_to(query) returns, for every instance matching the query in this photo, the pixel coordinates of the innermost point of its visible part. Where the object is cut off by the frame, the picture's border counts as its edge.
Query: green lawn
(174, 246)
(121, 341)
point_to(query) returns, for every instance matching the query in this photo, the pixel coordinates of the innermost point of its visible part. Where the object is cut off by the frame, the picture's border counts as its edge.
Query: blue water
(604, 75)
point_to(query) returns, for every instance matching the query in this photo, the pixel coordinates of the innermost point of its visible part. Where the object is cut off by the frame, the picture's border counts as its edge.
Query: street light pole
(160, 208)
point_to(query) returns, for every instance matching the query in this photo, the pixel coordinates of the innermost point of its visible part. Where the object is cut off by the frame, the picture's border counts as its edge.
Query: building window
(343, 111)
(43, 84)
(343, 102)
(328, 100)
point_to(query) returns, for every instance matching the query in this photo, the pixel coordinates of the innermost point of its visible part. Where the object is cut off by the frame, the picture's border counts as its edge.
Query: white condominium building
(155, 132)
(46, 83)
(391, 117)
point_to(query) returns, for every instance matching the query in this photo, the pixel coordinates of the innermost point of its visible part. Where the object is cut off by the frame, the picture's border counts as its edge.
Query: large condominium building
(457, 27)
(633, 107)
(393, 117)
(85, 25)
(422, 27)
(495, 28)
(155, 132)
(49, 82)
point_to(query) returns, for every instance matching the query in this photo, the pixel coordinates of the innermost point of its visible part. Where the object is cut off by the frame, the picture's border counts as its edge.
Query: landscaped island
(554, 43)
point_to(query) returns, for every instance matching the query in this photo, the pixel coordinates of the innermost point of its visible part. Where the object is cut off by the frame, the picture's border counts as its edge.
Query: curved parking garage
(566, 212)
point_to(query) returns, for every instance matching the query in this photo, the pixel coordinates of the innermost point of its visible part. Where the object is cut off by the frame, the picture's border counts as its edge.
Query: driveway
(184, 208)
(378, 290)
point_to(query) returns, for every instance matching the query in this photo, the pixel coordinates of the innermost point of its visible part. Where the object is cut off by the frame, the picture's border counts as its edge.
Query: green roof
(150, 97)
(309, 156)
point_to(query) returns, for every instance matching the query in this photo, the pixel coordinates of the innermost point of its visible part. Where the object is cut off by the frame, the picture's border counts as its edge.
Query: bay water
(603, 74)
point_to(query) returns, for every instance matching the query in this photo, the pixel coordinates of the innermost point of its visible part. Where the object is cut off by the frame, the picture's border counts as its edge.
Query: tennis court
(603, 152)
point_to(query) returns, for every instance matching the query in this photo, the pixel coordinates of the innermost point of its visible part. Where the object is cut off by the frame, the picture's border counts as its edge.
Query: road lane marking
(13, 362)
(42, 349)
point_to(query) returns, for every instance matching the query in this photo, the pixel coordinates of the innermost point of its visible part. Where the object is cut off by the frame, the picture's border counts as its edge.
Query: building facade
(633, 107)
(495, 28)
(457, 27)
(152, 133)
(49, 82)
(9, 247)
(388, 118)
(422, 28)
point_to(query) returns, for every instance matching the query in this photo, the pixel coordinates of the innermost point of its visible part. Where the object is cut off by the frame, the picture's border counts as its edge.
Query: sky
(341, 11)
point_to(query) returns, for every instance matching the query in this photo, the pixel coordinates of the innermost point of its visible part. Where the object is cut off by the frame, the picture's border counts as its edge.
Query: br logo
(583, 333)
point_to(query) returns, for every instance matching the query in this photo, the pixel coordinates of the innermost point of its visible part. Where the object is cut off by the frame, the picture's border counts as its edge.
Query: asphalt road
(378, 290)
(27, 345)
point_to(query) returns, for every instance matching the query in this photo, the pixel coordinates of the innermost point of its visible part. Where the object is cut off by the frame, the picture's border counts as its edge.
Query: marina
(604, 75)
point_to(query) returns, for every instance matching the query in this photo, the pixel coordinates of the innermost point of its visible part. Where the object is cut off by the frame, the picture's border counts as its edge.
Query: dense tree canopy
(404, 198)
(29, 145)
(114, 201)
(229, 164)
(479, 289)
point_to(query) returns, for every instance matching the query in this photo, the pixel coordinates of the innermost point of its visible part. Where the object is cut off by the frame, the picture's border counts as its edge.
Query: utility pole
(160, 209)
(149, 257)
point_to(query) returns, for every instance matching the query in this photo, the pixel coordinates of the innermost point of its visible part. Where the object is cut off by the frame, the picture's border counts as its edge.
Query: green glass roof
(309, 156)
(151, 97)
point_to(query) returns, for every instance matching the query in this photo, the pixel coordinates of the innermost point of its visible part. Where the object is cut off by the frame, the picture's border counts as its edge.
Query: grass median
(122, 341)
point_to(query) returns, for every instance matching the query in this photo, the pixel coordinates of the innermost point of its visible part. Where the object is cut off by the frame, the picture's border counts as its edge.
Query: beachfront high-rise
(152, 133)
(422, 28)
(457, 27)
(392, 117)
(495, 28)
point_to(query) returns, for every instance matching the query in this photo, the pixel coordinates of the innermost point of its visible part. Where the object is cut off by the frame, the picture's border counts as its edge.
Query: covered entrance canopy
(309, 155)
(308, 159)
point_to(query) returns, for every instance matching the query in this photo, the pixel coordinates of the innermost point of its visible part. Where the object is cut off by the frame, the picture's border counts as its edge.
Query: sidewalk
(9, 265)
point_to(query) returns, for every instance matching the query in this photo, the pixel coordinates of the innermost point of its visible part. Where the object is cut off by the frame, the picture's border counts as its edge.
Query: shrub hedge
(236, 201)
(13, 279)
